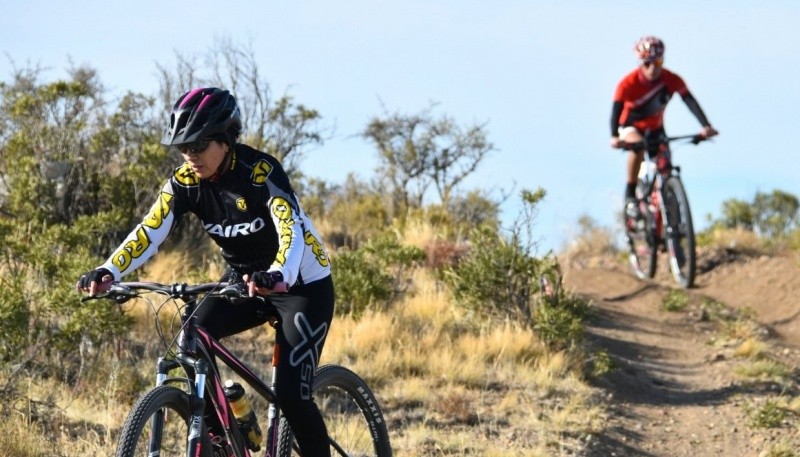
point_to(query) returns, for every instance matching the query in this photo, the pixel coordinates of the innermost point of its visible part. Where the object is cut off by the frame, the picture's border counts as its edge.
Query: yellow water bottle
(245, 416)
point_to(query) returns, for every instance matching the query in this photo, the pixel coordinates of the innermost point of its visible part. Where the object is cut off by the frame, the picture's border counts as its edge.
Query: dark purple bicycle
(168, 420)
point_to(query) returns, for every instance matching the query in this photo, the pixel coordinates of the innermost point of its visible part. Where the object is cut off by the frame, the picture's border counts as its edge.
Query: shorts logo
(261, 170)
(241, 204)
(186, 176)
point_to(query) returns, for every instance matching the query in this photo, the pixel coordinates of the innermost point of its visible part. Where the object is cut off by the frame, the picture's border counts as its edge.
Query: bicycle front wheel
(354, 420)
(158, 425)
(679, 232)
(642, 245)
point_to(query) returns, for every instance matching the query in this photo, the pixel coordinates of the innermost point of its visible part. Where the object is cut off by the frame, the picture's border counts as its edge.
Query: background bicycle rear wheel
(679, 232)
(171, 406)
(642, 246)
(352, 415)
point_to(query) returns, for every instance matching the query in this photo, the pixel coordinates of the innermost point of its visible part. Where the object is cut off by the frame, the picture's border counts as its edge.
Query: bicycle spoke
(355, 423)
(345, 421)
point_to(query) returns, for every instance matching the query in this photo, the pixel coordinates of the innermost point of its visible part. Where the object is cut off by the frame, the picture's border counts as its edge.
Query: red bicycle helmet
(649, 48)
(203, 113)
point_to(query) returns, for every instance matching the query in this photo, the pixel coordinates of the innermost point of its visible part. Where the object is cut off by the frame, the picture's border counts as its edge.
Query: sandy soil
(674, 393)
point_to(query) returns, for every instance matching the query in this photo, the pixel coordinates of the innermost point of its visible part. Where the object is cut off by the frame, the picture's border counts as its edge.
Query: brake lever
(116, 292)
(234, 290)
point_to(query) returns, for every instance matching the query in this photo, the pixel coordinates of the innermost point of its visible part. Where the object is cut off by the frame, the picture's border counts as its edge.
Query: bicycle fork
(273, 418)
(197, 405)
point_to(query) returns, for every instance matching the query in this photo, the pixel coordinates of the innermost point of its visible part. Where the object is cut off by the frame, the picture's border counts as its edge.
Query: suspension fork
(197, 406)
(157, 421)
(273, 413)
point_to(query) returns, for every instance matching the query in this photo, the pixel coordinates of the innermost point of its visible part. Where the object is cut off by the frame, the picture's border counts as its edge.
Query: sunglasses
(195, 147)
(656, 62)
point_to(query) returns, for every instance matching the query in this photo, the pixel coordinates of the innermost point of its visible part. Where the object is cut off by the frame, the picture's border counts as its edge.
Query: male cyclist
(247, 205)
(638, 110)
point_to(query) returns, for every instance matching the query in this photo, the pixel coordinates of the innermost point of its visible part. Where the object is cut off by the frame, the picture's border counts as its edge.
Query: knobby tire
(679, 232)
(134, 438)
(352, 415)
(642, 244)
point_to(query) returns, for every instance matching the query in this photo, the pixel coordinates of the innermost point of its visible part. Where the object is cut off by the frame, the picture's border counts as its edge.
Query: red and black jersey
(643, 101)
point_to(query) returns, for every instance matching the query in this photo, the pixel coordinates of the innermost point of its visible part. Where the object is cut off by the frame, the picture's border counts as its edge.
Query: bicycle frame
(196, 347)
(654, 171)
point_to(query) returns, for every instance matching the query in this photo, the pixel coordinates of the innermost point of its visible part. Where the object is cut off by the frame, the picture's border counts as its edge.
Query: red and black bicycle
(666, 222)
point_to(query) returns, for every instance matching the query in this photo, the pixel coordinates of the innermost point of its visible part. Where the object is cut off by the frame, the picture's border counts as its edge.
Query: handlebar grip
(116, 292)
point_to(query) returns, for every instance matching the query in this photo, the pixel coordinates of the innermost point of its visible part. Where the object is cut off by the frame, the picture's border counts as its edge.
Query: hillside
(677, 388)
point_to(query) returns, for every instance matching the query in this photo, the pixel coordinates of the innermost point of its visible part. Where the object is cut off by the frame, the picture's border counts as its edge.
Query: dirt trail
(672, 393)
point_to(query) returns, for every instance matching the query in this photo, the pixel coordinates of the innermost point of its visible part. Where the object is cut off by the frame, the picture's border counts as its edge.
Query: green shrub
(497, 279)
(372, 275)
(14, 322)
(359, 282)
(773, 215)
(601, 364)
(559, 317)
(768, 415)
(676, 300)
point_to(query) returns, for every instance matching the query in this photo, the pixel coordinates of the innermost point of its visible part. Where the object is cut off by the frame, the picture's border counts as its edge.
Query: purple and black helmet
(206, 112)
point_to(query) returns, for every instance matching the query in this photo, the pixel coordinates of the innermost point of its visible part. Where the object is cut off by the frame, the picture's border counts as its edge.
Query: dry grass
(21, 438)
(452, 389)
(751, 348)
(740, 240)
(447, 387)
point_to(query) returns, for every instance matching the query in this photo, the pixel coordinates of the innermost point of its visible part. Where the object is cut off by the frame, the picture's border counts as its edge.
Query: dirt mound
(675, 391)
(768, 286)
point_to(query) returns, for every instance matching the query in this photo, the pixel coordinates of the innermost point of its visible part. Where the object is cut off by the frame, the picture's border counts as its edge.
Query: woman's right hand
(98, 280)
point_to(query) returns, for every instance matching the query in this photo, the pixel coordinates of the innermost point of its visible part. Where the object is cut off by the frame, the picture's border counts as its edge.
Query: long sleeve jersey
(250, 211)
(641, 103)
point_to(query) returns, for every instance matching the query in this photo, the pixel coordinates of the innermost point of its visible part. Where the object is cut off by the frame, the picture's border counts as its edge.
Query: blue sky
(541, 74)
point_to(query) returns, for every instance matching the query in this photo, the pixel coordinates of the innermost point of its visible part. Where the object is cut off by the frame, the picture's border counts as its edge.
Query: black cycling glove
(267, 279)
(95, 275)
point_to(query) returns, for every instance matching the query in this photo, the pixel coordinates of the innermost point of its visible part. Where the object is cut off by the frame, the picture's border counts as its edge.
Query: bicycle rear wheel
(679, 233)
(355, 423)
(642, 245)
(162, 416)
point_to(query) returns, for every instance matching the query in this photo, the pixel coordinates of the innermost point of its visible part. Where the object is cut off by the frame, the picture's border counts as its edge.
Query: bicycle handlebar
(696, 138)
(123, 291)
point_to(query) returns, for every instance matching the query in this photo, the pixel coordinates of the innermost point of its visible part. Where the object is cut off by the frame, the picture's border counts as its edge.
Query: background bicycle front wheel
(158, 425)
(679, 232)
(642, 245)
(352, 415)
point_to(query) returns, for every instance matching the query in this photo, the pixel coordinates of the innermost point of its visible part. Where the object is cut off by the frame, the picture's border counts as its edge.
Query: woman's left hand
(265, 283)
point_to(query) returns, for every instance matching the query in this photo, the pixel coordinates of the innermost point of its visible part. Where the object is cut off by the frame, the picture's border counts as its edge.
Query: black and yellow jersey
(250, 211)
